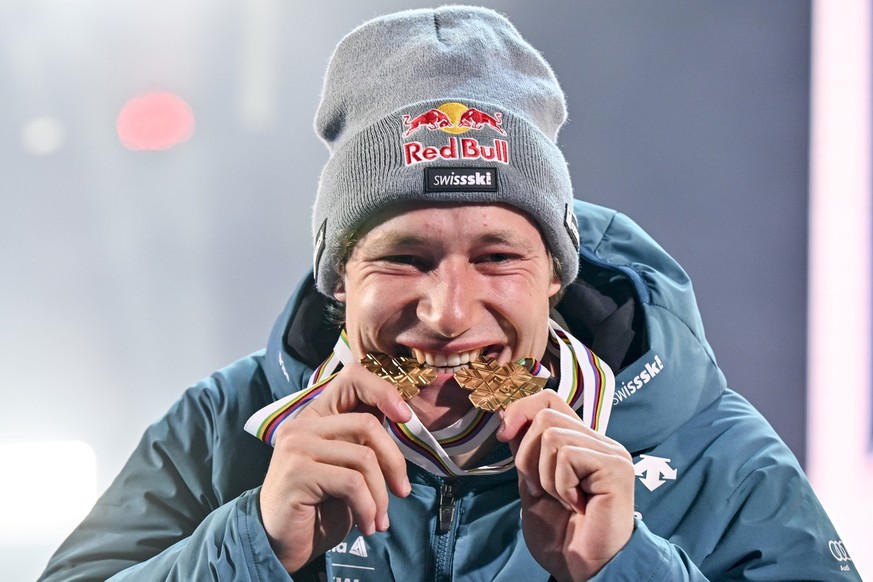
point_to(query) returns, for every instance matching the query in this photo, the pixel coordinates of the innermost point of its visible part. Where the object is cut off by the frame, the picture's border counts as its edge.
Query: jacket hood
(631, 293)
(632, 304)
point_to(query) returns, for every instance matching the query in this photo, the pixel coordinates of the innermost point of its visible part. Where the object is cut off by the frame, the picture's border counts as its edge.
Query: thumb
(355, 389)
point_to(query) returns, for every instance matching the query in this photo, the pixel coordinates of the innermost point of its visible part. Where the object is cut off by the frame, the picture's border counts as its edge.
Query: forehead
(451, 223)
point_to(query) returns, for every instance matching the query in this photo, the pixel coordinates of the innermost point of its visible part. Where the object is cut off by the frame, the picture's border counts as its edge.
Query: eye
(415, 261)
(402, 259)
(497, 258)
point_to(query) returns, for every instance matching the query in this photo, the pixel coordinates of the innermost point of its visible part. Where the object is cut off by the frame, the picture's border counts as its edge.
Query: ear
(339, 293)
(554, 286)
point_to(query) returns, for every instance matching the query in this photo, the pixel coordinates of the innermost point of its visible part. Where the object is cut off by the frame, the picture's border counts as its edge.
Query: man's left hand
(576, 487)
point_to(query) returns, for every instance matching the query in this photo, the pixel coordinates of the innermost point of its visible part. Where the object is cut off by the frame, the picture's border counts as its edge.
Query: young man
(519, 388)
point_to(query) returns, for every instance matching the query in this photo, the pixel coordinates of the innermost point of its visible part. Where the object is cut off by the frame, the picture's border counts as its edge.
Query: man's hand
(576, 486)
(330, 468)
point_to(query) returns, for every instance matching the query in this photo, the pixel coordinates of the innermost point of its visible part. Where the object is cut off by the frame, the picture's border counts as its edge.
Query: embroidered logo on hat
(319, 248)
(454, 118)
(475, 119)
(571, 224)
(433, 119)
(460, 180)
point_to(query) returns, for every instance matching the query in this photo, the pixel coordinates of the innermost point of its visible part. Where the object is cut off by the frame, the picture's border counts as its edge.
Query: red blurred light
(157, 120)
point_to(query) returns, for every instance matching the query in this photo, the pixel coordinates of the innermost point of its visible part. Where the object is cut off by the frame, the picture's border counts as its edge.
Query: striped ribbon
(586, 383)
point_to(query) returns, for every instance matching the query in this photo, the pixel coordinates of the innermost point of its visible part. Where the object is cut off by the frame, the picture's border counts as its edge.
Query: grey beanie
(445, 105)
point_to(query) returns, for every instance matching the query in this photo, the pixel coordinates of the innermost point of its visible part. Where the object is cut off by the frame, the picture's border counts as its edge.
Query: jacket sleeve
(778, 530)
(651, 558)
(771, 534)
(185, 505)
(230, 544)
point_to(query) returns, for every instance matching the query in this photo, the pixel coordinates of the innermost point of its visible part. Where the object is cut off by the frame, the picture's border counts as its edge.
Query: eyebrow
(507, 237)
(395, 239)
(400, 239)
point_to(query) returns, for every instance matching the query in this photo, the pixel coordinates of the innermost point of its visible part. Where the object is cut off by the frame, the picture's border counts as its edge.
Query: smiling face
(445, 284)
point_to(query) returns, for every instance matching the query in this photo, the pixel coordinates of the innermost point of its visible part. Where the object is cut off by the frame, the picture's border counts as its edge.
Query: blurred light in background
(42, 136)
(840, 376)
(47, 488)
(157, 120)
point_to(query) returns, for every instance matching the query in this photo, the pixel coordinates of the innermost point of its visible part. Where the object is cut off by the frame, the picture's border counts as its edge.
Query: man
(454, 425)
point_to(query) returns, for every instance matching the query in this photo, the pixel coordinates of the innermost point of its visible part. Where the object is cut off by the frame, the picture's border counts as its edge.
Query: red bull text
(454, 119)
(465, 148)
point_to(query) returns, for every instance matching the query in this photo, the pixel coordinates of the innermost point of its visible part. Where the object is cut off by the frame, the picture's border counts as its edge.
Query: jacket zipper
(446, 517)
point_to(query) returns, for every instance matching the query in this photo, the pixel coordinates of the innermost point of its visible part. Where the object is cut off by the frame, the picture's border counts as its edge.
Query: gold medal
(405, 373)
(494, 386)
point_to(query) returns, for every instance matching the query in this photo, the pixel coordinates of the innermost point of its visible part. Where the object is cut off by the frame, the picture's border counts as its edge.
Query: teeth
(446, 363)
(450, 370)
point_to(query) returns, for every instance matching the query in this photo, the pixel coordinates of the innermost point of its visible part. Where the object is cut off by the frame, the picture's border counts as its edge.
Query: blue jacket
(718, 494)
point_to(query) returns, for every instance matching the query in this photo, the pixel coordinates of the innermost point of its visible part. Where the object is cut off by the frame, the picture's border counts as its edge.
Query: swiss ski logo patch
(460, 179)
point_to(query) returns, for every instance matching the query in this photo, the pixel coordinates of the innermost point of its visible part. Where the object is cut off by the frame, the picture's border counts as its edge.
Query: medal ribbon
(585, 382)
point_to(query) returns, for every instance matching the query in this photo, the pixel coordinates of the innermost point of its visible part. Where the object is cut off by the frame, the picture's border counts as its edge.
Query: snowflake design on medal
(407, 375)
(494, 386)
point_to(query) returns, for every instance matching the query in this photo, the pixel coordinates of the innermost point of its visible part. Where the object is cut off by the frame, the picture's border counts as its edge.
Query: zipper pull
(446, 517)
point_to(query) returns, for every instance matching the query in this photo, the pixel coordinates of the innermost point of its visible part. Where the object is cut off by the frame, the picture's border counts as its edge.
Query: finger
(532, 462)
(584, 475)
(552, 442)
(349, 486)
(550, 430)
(313, 435)
(364, 429)
(354, 389)
(363, 460)
(517, 417)
(570, 469)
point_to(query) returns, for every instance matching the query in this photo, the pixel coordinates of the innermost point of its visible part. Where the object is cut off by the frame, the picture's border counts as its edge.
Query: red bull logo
(475, 119)
(433, 119)
(455, 119)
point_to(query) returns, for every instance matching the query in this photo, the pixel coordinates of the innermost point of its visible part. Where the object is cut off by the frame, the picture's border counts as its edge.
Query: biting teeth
(446, 362)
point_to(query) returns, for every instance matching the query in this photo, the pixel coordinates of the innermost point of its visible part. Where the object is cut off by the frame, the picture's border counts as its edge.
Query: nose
(449, 298)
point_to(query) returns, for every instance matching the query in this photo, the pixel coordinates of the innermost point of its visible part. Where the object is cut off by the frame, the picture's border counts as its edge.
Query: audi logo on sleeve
(838, 551)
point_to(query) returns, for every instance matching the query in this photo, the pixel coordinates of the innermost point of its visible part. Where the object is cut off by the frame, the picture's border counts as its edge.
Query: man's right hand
(331, 466)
